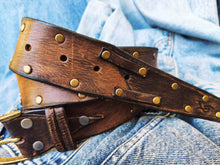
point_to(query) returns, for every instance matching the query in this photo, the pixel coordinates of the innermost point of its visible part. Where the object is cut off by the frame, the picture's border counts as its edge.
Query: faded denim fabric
(187, 34)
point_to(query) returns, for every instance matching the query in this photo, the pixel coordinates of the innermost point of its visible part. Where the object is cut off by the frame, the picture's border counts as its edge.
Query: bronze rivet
(175, 86)
(74, 82)
(218, 115)
(26, 123)
(136, 54)
(59, 38)
(22, 27)
(81, 96)
(106, 54)
(27, 69)
(38, 145)
(188, 108)
(205, 98)
(119, 92)
(142, 71)
(38, 100)
(156, 100)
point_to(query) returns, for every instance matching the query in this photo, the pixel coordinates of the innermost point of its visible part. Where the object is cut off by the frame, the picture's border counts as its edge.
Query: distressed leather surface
(83, 55)
(61, 107)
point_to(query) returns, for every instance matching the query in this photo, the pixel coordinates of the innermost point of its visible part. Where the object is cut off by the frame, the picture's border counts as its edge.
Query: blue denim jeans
(187, 34)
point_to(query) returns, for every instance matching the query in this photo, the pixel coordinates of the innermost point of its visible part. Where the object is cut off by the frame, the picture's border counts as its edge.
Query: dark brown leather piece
(60, 127)
(38, 132)
(54, 130)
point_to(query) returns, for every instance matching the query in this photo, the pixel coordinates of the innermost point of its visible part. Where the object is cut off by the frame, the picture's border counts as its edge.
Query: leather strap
(84, 54)
(53, 95)
(59, 128)
(73, 87)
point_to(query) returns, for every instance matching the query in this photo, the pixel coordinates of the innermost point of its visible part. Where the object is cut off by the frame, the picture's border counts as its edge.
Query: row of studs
(156, 100)
(119, 92)
(59, 38)
(28, 123)
(83, 120)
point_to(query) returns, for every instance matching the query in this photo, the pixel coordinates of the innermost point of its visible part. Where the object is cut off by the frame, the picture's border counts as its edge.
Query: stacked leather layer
(73, 87)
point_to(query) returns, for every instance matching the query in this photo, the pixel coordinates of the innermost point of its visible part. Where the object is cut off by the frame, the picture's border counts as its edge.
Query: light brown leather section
(44, 58)
(52, 95)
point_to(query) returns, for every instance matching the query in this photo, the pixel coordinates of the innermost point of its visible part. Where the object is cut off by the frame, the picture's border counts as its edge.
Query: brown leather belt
(73, 87)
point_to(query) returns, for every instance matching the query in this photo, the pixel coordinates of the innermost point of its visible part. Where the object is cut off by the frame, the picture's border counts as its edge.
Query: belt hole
(63, 58)
(96, 68)
(27, 47)
(127, 77)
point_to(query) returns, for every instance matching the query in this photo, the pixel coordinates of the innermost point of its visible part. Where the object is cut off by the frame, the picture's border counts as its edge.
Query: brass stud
(106, 54)
(218, 115)
(119, 92)
(142, 71)
(188, 108)
(175, 86)
(156, 100)
(81, 96)
(22, 27)
(27, 69)
(135, 54)
(38, 100)
(59, 38)
(74, 82)
(205, 98)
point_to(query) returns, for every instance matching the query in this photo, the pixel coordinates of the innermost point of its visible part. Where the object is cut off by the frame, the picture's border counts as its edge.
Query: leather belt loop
(59, 129)
(131, 64)
(136, 96)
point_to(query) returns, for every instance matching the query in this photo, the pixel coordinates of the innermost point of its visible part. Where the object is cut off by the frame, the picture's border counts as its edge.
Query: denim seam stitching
(170, 41)
(143, 135)
(206, 138)
(149, 124)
